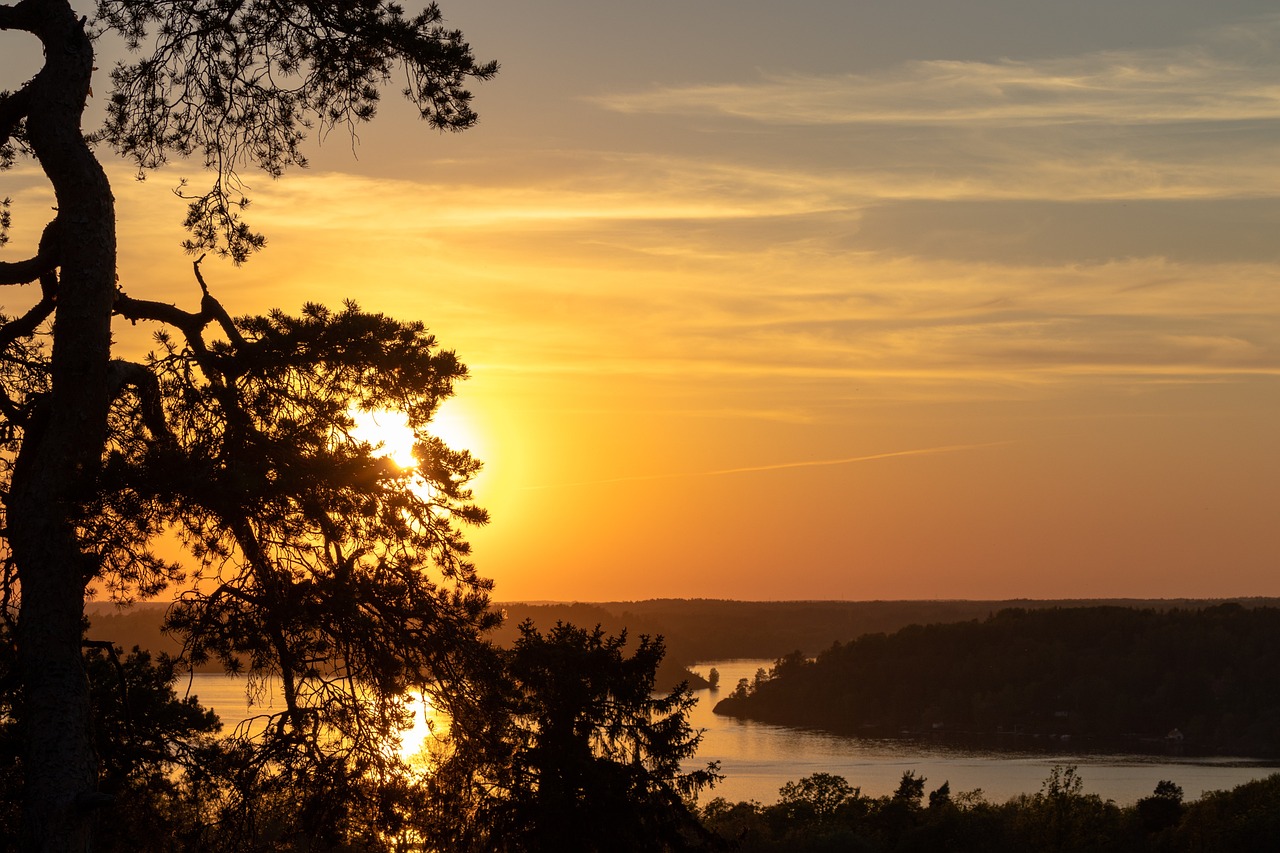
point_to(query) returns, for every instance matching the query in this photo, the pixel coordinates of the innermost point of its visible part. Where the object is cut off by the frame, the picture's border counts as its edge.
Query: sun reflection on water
(423, 741)
(241, 708)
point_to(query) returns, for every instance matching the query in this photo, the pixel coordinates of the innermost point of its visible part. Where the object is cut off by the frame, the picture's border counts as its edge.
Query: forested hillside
(1202, 679)
(694, 629)
(141, 626)
(714, 629)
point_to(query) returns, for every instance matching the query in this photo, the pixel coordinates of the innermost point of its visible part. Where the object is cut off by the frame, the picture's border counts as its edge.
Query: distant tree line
(823, 813)
(1202, 680)
(695, 630)
(702, 629)
(142, 625)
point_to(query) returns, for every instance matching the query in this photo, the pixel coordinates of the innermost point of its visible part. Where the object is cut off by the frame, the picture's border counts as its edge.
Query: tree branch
(27, 324)
(121, 681)
(211, 307)
(22, 327)
(14, 107)
(191, 324)
(17, 17)
(122, 373)
(44, 262)
(133, 310)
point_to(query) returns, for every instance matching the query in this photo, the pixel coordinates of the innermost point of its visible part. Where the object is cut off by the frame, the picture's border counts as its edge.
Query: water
(758, 759)
(230, 697)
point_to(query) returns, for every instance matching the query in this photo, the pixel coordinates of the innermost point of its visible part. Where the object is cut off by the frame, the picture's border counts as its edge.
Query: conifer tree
(313, 558)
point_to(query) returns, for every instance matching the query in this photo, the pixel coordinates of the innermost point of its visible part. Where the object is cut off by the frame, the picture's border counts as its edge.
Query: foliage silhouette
(151, 743)
(1102, 675)
(312, 554)
(582, 755)
(1063, 816)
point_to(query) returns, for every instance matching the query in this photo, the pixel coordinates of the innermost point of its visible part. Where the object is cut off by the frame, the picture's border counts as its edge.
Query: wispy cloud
(780, 466)
(1231, 77)
(939, 229)
(717, 301)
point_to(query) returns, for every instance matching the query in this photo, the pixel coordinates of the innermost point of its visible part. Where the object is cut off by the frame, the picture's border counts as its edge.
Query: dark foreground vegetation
(564, 745)
(823, 814)
(1197, 680)
(573, 711)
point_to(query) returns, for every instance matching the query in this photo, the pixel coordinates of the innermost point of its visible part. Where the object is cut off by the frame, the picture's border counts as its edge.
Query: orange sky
(873, 300)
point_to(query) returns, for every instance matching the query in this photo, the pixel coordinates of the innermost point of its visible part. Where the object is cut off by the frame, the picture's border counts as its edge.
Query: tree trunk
(61, 452)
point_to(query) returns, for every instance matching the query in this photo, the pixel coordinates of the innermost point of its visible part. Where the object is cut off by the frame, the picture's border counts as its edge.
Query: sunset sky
(862, 299)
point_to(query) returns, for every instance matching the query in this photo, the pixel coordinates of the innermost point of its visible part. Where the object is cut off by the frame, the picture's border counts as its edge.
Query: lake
(758, 759)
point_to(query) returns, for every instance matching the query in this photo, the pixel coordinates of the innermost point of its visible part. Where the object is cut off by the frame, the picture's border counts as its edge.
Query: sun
(389, 432)
(453, 425)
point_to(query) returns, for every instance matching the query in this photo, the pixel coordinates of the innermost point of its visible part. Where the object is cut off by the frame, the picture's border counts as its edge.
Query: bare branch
(21, 327)
(17, 17)
(211, 307)
(133, 310)
(190, 324)
(14, 107)
(44, 262)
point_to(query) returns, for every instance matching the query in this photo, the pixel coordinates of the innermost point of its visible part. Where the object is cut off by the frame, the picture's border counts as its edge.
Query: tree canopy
(309, 556)
(588, 757)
